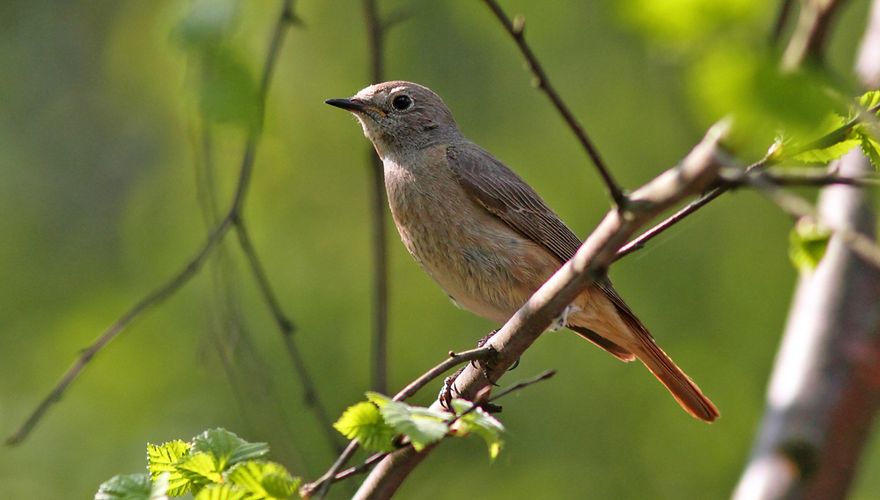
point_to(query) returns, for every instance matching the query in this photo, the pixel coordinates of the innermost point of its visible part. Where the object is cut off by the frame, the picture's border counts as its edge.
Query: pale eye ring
(402, 102)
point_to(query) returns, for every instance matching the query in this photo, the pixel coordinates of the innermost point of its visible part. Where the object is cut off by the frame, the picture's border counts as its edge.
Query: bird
(484, 235)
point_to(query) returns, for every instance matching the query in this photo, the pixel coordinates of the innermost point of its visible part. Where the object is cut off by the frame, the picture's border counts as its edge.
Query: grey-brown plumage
(484, 235)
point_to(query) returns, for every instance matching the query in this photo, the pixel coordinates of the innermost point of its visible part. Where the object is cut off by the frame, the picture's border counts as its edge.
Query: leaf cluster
(215, 465)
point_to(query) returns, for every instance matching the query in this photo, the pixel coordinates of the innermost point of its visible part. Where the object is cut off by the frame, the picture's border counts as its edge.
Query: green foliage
(132, 487)
(364, 423)
(478, 421)
(227, 90)
(681, 22)
(807, 245)
(216, 464)
(376, 422)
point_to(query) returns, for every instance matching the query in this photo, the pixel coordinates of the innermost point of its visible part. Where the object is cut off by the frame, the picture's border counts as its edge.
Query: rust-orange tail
(683, 389)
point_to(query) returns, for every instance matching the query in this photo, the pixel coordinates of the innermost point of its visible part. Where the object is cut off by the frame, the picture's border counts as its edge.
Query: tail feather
(682, 388)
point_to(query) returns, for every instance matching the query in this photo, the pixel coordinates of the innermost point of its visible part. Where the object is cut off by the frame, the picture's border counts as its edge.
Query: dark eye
(402, 102)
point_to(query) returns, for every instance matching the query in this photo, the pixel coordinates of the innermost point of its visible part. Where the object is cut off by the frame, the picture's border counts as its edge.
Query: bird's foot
(562, 320)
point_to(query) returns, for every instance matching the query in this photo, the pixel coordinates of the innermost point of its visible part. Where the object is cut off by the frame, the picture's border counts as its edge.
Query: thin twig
(376, 457)
(158, 295)
(808, 39)
(148, 302)
(322, 484)
(826, 140)
(798, 177)
(794, 205)
(782, 17)
(516, 30)
(376, 39)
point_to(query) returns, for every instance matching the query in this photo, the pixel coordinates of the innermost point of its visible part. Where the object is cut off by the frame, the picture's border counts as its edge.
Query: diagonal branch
(516, 30)
(697, 171)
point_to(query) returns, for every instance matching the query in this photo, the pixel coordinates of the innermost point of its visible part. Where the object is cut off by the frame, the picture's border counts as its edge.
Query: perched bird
(484, 235)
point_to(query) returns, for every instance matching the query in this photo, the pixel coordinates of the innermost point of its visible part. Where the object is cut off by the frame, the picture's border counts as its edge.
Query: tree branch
(697, 171)
(808, 40)
(516, 30)
(376, 40)
(823, 394)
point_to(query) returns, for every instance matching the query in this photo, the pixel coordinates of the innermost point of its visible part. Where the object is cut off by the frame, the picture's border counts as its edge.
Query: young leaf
(870, 145)
(364, 423)
(222, 492)
(227, 448)
(423, 426)
(479, 422)
(377, 399)
(807, 244)
(869, 99)
(126, 487)
(263, 479)
(827, 154)
(200, 469)
(163, 459)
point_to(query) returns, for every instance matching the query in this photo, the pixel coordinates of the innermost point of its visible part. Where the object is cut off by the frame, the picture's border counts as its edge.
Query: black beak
(347, 104)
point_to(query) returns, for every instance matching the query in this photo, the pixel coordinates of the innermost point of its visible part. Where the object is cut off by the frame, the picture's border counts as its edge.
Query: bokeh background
(102, 156)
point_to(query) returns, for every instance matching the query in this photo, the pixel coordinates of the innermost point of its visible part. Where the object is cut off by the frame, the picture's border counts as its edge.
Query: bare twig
(322, 484)
(808, 40)
(158, 295)
(516, 30)
(695, 173)
(864, 246)
(823, 395)
(376, 41)
(781, 20)
(815, 177)
(826, 140)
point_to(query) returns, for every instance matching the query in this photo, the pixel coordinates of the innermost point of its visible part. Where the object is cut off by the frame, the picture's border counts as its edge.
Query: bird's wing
(504, 194)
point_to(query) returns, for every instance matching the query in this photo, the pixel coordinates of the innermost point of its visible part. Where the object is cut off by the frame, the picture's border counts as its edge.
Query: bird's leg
(562, 320)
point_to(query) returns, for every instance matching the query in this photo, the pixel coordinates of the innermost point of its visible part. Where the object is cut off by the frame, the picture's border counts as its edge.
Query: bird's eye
(402, 102)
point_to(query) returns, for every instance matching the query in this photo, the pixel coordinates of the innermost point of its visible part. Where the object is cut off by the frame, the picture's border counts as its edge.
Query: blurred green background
(100, 145)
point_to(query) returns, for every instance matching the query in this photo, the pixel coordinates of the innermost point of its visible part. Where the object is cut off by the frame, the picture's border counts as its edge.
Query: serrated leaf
(807, 245)
(227, 448)
(364, 423)
(827, 154)
(125, 487)
(423, 426)
(200, 469)
(163, 459)
(869, 99)
(479, 422)
(870, 146)
(263, 479)
(222, 492)
(377, 399)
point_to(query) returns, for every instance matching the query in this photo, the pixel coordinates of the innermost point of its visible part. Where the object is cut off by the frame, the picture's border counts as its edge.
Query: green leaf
(227, 448)
(222, 492)
(126, 487)
(423, 426)
(763, 100)
(228, 92)
(807, 245)
(687, 22)
(869, 144)
(163, 459)
(364, 423)
(827, 154)
(263, 479)
(377, 399)
(207, 23)
(479, 422)
(869, 99)
(201, 469)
